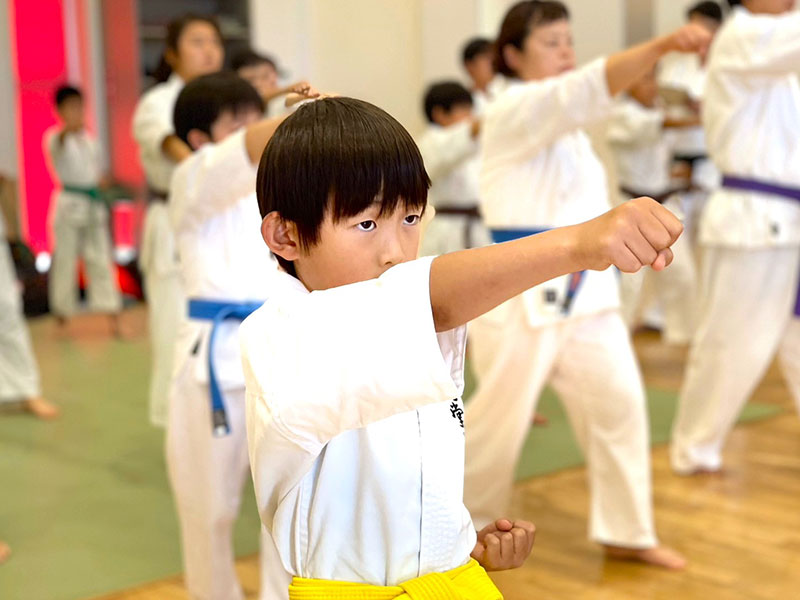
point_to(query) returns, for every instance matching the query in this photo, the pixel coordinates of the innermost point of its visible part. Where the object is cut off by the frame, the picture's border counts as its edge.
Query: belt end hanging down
(219, 423)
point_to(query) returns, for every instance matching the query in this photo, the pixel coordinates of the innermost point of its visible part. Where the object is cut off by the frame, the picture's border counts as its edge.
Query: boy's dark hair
(250, 58)
(519, 22)
(445, 94)
(709, 10)
(64, 93)
(734, 3)
(475, 47)
(175, 29)
(205, 98)
(338, 156)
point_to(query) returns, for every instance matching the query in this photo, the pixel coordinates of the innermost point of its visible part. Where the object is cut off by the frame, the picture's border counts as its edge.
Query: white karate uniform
(80, 226)
(751, 240)
(539, 171)
(643, 155)
(355, 428)
(453, 164)
(481, 99)
(214, 214)
(158, 260)
(19, 375)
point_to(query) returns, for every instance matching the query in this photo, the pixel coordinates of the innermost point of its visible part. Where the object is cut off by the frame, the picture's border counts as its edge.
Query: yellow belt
(469, 582)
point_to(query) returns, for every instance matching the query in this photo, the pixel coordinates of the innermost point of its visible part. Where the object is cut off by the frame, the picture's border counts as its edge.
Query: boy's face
(71, 113)
(708, 23)
(359, 248)
(457, 114)
(480, 70)
(263, 77)
(546, 52)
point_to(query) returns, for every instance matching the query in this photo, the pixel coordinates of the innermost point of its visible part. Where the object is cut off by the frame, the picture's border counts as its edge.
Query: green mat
(84, 501)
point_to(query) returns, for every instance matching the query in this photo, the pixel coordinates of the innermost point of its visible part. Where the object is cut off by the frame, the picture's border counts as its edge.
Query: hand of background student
(636, 234)
(303, 91)
(690, 38)
(504, 544)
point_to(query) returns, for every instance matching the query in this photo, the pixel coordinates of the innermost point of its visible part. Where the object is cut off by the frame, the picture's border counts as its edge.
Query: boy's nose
(391, 252)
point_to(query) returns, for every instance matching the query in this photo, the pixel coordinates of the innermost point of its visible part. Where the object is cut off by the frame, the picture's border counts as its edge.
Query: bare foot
(540, 419)
(117, 330)
(41, 408)
(659, 556)
(5, 552)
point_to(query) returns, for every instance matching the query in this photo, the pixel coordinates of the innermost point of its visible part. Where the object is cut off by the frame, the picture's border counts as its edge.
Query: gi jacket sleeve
(760, 44)
(530, 116)
(152, 123)
(444, 150)
(630, 124)
(317, 365)
(215, 178)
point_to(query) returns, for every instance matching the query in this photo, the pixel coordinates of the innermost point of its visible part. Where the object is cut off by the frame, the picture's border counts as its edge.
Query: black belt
(156, 196)
(660, 198)
(470, 212)
(690, 158)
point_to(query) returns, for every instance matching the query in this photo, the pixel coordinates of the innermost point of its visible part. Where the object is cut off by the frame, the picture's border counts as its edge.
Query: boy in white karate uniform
(539, 172)
(478, 60)
(79, 216)
(354, 365)
(449, 147)
(749, 231)
(643, 154)
(214, 216)
(194, 48)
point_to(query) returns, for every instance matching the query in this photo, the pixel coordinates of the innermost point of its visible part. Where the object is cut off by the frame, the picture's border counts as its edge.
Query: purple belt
(753, 185)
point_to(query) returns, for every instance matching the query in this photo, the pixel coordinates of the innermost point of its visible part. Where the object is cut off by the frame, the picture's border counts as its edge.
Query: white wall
(387, 51)
(8, 99)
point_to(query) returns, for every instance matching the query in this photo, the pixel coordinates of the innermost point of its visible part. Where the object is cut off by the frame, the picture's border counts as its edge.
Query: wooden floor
(740, 529)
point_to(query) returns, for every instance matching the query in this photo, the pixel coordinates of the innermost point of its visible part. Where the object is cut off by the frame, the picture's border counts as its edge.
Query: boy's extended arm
(469, 283)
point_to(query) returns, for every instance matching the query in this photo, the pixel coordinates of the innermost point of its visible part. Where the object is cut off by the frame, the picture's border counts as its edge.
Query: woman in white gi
(194, 47)
(539, 172)
(19, 375)
(637, 134)
(79, 216)
(749, 231)
(449, 147)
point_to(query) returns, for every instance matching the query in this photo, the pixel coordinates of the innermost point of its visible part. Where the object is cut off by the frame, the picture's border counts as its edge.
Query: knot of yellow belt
(469, 582)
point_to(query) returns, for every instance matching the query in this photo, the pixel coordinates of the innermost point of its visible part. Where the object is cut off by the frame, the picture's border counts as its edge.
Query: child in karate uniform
(354, 366)
(214, 216)
(79, 216)
(262, 73)
(449, 147)
(194, 48)
(478, 60)
(539, 172)
(749, 230)
(643, 154)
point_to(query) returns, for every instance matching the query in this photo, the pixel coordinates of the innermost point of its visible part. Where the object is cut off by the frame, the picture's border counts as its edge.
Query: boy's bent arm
(258, 135)
(469, 283)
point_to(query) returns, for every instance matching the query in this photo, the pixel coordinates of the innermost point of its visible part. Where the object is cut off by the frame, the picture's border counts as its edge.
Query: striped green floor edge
(84, 501)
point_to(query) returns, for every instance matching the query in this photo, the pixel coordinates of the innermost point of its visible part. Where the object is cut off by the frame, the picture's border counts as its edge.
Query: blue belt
(754, 185)
(218, 311)
(575, 279)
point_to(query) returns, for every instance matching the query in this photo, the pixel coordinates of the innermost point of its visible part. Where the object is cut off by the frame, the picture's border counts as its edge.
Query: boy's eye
(411, 220)
(367, 225)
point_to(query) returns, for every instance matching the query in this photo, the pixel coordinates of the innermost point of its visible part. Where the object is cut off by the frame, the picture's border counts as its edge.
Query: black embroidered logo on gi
(457, 412)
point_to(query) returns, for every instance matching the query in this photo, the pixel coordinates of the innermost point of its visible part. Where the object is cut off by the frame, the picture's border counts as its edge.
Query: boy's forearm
(469, 283)
(624, 68)
(175, 148)
(258, 135)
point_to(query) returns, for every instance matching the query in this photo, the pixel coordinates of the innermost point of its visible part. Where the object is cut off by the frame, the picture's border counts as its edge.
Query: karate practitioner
(749, 231)
(194, 48)
(214, 215)
(637, 134)
(539, 172)
(449, 147)
(79, 216)
(478, 60)
(19, 375)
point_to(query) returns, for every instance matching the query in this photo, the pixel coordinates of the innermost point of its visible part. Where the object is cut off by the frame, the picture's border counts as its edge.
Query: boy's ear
(197, 138)
(281, 236)
(439, 115)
